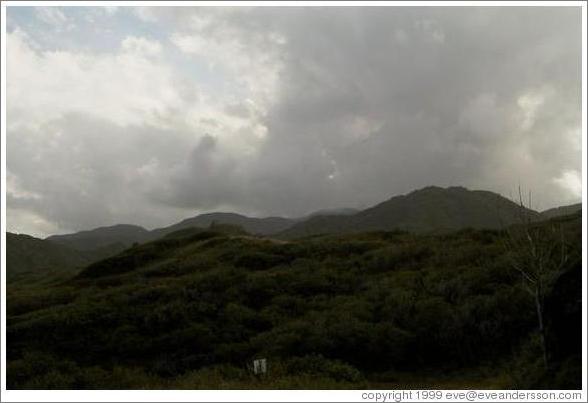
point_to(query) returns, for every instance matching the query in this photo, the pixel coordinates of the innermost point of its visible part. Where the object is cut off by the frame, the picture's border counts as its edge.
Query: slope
(562, 210)
(26, 255)
(431, 209)
(348, 311)
(118, 236)
(261, 226)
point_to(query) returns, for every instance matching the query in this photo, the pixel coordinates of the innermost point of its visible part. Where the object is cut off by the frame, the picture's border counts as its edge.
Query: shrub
(256, 260)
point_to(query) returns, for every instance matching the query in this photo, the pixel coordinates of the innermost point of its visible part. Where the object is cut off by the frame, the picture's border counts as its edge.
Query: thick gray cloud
(288, 110)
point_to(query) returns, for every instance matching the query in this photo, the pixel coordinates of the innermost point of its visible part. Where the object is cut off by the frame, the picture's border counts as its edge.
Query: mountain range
(429, 210)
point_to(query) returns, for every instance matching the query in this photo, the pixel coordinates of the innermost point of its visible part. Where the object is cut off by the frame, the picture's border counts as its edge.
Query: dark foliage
(192, 310)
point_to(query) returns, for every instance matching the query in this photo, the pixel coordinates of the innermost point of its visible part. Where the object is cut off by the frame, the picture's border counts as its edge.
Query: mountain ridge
(562, 210)
(429, 209)
(27, 255)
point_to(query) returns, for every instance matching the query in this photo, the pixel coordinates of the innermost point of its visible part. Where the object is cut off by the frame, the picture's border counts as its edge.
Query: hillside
(371, 310)
(431, 209)
(562, 211)
(259, 226)
(123, 235)
(26, 255)
(333, 211)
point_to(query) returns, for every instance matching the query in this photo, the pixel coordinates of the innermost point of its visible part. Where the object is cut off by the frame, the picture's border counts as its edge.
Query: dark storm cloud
(375, 102)
(336, 107)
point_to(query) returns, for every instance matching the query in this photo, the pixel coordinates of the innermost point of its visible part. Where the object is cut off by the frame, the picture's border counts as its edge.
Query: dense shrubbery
(193, 310)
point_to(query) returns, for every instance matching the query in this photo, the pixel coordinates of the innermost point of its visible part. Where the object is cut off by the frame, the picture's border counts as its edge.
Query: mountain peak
(437, 189)
(427, 210)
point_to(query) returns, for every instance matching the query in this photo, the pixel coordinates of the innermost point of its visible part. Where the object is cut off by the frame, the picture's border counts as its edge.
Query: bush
(396, 257)
(257, 260)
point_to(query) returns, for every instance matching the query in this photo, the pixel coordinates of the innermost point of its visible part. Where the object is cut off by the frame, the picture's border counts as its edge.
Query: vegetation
(32, 259)
(103, 237)
(428, 210)
(370, 310)
(562, 211)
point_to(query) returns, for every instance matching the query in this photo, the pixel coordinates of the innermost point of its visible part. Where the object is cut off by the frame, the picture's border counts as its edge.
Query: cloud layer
(155, 114)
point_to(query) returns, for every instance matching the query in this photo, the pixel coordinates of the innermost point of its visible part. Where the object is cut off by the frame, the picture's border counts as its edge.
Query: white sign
(260, 366)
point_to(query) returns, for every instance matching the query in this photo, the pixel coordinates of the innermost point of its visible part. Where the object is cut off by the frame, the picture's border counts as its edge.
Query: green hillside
(260, 226)
(371, 310)
(28, 257)
(31, 260)
(428, 210)
(123, 235)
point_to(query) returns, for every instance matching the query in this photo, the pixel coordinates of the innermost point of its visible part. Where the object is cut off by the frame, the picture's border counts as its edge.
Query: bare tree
(538, 252)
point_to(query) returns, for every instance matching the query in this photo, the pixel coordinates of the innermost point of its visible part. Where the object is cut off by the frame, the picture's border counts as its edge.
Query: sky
(150, 115)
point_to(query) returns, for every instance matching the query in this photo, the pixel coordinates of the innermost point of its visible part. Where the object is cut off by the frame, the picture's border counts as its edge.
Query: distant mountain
(252, 225)
(561, 211)
(258, 226)
(114, 237)
(225, 229)
(26, 254)
(333, 211)
(431, 209)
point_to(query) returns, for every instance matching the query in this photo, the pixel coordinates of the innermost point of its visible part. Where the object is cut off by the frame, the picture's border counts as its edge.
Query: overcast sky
(150, 115)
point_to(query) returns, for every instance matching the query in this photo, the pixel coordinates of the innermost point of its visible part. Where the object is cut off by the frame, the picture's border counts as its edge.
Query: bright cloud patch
(141, 46)
(571, 181)
(125, 87)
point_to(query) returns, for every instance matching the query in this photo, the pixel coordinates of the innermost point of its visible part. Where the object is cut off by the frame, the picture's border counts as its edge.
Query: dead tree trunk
(538, 253)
